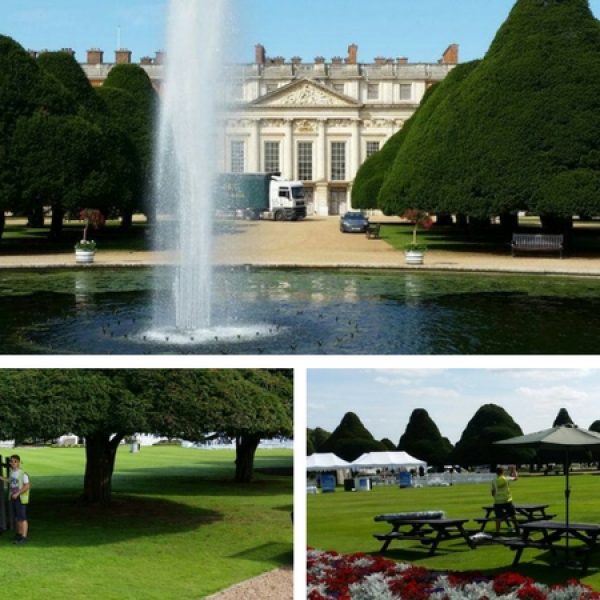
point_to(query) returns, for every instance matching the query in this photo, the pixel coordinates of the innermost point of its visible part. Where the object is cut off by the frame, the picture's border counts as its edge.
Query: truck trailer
(260, 196)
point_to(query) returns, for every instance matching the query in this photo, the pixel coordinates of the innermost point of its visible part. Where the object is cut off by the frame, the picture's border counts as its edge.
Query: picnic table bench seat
(537, 242)
(483, 521)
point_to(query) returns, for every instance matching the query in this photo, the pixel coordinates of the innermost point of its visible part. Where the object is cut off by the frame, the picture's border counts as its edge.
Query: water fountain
(185, 169)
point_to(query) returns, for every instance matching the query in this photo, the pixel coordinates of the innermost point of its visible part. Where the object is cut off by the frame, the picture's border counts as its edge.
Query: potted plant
(414, 253)
(85, 250)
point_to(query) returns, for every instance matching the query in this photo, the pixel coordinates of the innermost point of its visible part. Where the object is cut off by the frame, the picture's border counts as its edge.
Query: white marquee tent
(381, 460)
(325, 462)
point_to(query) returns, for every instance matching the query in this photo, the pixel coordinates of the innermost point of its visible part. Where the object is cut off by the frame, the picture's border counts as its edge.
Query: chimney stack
(122, 57)
(68, 51)
(159, 57)
(260, 54)
(450, 56)
(95, 56)
(352, 54)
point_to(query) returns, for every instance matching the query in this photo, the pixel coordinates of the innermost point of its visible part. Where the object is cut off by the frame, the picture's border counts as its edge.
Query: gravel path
(317, 242)
(274, 585)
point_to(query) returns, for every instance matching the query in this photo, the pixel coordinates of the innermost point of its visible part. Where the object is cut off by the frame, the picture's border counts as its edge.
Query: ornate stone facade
(314, 121)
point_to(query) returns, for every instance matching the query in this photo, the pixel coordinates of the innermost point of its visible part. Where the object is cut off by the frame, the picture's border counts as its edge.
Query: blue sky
(418, 29)
(384, 399)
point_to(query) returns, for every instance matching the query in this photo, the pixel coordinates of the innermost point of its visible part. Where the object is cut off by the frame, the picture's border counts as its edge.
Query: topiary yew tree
(491, 423)
(351, 439)
(373, 172)
(423, 440)
(520, 132)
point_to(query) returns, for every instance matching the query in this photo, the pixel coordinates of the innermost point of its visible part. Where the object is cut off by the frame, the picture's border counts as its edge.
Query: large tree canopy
(520, 130)
(105, 406)
(25, 90)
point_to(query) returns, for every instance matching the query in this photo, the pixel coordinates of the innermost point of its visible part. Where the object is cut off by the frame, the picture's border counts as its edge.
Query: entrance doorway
(338, 201)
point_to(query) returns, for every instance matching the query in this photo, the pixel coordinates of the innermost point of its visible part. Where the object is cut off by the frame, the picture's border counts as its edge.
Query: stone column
(320, 158)
(254, 147)
(288, 150)
(354, 149)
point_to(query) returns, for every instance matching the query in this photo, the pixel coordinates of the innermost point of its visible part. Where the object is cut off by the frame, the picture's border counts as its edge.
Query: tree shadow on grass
(151, 481)
(65, 521)
(275, 552)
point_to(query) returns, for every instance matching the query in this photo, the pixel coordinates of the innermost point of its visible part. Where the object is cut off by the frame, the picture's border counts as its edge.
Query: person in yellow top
(503, 505)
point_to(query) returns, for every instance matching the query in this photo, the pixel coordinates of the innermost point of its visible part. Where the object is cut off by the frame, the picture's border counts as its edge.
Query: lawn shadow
(66, 521)
(275, 552)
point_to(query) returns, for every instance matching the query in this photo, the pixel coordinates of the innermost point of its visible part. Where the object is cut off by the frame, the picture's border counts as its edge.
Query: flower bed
(364, 577)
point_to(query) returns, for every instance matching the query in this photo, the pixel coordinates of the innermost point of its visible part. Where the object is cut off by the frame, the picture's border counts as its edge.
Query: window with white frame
(237, 156)
(405, 91)
(270, 87)
(272, 157)
(372, 91)
(372, 147)
(338, 161)
(305, 161)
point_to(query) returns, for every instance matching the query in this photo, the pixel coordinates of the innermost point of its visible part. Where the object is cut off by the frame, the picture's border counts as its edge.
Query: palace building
(316, 122)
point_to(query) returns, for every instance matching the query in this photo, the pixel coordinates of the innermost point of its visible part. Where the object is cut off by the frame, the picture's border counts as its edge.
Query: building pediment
(304, 93)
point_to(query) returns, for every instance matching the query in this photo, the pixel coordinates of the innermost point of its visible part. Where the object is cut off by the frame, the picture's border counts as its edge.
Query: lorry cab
(286, 199)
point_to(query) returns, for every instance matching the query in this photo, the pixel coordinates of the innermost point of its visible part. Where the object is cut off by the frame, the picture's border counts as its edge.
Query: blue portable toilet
(405, 479)
(328, 482)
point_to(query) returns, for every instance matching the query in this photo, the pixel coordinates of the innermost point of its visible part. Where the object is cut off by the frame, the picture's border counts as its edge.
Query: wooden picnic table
(548, 536)
(427, 531)
(524, 513)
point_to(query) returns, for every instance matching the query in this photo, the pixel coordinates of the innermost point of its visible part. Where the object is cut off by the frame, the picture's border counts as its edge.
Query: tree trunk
(2, 222)
(443, 220)
(126, 220)
(35, 217)
(509, 223)
(100, 453)
(57, 222)
(462, 222)
(245, 449)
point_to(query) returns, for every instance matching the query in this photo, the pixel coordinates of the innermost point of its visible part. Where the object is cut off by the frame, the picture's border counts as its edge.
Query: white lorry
(261, 196)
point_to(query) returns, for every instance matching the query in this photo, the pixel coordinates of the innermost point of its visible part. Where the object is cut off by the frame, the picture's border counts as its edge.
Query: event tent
(381, 460)
(325, 462)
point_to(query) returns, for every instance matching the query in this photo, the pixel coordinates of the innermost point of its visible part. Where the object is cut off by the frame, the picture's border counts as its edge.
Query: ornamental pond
(304, 311)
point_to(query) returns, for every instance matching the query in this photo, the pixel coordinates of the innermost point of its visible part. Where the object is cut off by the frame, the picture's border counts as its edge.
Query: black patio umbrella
(565, 438)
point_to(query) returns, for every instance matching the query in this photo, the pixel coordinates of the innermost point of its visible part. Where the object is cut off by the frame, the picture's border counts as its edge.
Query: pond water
(302, 311)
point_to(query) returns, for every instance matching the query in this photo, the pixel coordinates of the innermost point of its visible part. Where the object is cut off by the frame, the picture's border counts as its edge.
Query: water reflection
(308, 312)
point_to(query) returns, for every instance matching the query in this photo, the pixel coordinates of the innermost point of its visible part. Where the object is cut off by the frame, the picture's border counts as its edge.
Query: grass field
(584, 241)
(179, 528)
(343, 521)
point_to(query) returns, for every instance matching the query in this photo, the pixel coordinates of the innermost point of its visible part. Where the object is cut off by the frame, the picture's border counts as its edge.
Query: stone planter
(84, 257)
(414, 257)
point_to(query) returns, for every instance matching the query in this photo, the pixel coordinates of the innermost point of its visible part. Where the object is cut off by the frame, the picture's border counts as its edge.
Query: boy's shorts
(504, 510)
(19, 510)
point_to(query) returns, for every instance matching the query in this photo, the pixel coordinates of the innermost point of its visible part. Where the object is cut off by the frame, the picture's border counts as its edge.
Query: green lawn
(20, 239)
(178, 528)
(585, 240)
(343, 521)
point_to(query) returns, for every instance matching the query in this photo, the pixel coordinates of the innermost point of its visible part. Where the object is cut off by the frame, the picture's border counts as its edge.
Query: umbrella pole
(567, 496)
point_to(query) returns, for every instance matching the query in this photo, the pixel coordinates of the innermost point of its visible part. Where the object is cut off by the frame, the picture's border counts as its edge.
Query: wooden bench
(372, 231)
(483, 521)
(537, 242)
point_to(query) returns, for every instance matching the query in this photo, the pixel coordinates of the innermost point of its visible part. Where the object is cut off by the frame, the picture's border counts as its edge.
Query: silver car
(353, 222)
